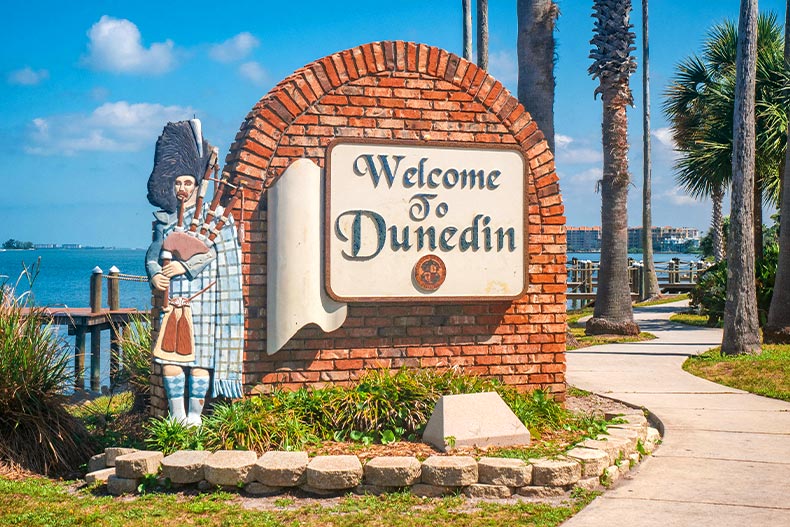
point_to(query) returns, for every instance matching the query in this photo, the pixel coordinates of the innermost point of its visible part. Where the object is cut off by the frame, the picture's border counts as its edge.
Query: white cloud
(112, 127)
(235, 48)
(591, 175)
(253, 72)
(116, 45)
(677, 197)
(561, 141)
(573, 152)
(27, 76)
(664, 136)
(503, 66)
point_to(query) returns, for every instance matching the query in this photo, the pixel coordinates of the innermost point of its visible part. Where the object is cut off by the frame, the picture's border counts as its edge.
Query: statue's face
(185, 188)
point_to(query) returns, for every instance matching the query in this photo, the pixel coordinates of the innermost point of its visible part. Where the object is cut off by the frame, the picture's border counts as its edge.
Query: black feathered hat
(180, 150)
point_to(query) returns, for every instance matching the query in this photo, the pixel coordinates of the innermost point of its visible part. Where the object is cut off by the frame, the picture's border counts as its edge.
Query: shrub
(133, 361)
(36, 431)
(710, 293)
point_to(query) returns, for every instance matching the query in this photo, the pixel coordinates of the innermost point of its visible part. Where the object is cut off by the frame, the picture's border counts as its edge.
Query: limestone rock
(611, 474)
(555, 472)
(101, 475)
(334, 472)
(281, 469)
(259, 489)
(229, 467)
(113, 452)
(613, 446)
(537, 492)
(474, 419)
(322, 493)
(631, 435)
(97, 462)
(593, 461)
(138, 464)
(394, 471)
(589, 483)
(449, 471)
(185, 466)
(652, 439)
(504, 471)
(488, 492)
(424, 490)
(117, 486)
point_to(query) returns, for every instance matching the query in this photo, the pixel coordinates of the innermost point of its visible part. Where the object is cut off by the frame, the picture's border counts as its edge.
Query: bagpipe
(175, 341)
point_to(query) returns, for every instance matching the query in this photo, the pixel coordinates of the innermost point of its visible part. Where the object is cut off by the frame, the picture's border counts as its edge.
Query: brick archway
(404, 91)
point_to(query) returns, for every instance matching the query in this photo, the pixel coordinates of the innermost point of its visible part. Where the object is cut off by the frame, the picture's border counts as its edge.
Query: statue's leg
(174, 389)
(198, 388)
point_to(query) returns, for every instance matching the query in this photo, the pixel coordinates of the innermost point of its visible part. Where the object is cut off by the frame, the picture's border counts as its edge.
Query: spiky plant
(612, 66)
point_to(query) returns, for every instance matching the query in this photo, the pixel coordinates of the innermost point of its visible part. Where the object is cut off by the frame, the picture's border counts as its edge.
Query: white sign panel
(422, 221)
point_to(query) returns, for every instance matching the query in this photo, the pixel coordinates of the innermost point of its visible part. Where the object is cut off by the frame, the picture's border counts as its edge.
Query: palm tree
(535, 49)
(649, 278)
(777, 329)
(699, 104)
(466, 10)
(741, 327)
(612, 66)
(482, 34)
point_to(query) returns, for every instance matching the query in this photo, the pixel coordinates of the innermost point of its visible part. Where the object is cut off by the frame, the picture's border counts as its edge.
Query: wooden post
(114, 303)
(95, 358)
(113, 289)
(79, 357)
(95, 301)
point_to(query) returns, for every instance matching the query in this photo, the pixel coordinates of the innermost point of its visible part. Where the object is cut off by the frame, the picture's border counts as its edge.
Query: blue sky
(86, 87)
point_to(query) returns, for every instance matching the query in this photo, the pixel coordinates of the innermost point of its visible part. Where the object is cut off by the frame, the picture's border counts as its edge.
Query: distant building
(44, 246)
(583, 239)
(71, 246)
(665, 239)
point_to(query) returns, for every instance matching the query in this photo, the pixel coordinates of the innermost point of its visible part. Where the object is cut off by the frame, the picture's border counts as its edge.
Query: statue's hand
(160, 282)
(173, 269)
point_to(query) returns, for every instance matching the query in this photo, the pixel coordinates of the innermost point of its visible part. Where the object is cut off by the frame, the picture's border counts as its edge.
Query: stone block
(322, 493)
(589, 483)
(449, 471)
(611, 474)
(281, 469)
(97, 462)
(117, 486)
(138, 464)
(334, 472)
(555, 472)
(537, 492)
(423, 490)
(640, 431)
(185, 466)
(593, 461)
(259, 489)
(112, 453)
(394, 471)
(504, 471)
(652, 439)
(487, 492)
(631, 435)
(101, 475)
(613, 446)
(475, 419)
(229, 467)
(634, 459)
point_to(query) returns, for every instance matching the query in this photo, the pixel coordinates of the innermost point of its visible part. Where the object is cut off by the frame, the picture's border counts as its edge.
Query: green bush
(710, 293)
(381, 407)
(133, 360)
(36, 430)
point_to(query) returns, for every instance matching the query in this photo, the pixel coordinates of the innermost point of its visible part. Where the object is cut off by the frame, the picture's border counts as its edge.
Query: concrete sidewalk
(725, 458)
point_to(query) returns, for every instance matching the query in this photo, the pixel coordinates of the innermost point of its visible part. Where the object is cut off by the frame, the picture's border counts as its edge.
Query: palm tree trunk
(613, 313)
(717, 223)
(535, 49)
(741, 329)
(482, 34)
(650, 280)
(758, 218)
(777, 329)
(466, 9)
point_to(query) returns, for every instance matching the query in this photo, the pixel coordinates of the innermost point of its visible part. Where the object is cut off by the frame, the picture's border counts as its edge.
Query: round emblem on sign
(430, 272)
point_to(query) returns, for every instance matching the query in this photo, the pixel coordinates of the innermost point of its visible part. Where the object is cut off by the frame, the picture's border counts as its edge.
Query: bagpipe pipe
(175, 341)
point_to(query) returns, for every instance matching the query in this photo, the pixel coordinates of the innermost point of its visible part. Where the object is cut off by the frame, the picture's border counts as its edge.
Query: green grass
(690, 319)
(766, 374)
(41, 502)
(577, 330)
(666, 300)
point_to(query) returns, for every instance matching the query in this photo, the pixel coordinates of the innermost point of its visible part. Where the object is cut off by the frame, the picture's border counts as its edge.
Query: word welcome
(417, 176)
